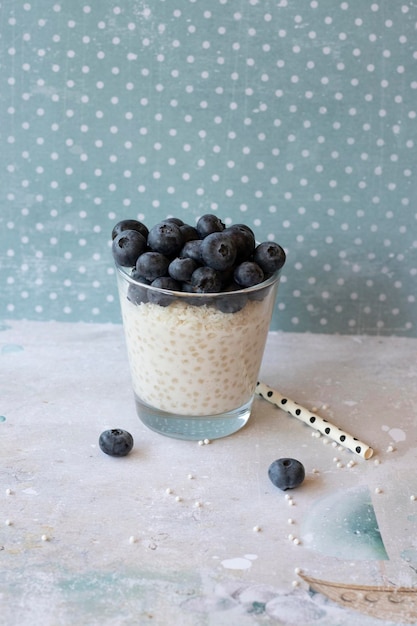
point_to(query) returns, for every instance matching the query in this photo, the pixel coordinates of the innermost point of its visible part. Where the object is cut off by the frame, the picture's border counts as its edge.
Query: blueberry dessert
(196, 304)
(206, 258)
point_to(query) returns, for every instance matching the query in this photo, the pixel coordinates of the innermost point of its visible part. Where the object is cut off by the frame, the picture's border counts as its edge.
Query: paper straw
(315, 421)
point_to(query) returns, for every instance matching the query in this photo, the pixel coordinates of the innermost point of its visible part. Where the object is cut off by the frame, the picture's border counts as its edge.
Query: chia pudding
(195, 360)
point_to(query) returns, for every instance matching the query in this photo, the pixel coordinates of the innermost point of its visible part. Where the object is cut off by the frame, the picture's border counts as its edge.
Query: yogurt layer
(195, 360)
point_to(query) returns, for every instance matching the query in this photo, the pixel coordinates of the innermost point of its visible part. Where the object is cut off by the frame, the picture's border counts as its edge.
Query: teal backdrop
(295, 117)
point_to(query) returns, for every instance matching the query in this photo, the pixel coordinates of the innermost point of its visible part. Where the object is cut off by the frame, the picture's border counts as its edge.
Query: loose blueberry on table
(206, 258)
(116, 442)
(286, 473)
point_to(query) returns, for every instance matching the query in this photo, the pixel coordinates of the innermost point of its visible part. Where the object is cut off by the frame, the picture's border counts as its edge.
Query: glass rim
(271, 280)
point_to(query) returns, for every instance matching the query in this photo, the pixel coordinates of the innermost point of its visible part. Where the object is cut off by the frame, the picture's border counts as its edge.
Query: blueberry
(269, 256)
(174, 220)
(136, 293)
(208, 224)
(200, 300)
(139, 278)
(248, 274)
(218, 251)
(257, 295)
(189, 232)
(244, 240)
(206, 280)
(286, 473)
(192, 250)
(165, 238)
(129, 225)
(188, 288)
(182, 269)
(127, 247)
(243, 227)
(228, 282)
(231, 303)
(163, 283)
(152, 265)
(116, 442)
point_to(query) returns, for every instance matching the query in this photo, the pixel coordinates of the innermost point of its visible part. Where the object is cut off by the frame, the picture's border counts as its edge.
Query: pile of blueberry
(206, 258)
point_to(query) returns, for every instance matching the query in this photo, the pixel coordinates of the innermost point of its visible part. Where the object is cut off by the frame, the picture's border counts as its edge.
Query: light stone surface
(89, 539)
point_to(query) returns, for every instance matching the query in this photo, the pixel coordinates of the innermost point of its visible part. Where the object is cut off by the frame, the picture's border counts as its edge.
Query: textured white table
(89, 539)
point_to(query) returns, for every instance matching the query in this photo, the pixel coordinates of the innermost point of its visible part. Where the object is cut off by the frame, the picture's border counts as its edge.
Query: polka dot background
(297, 118)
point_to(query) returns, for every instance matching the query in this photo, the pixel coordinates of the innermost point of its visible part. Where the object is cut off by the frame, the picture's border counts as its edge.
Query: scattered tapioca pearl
(257, 529)
(377, 462)
(325, 441)
(413, 498)
(291, 520)
(296, 541)
(168, 490)
(297, 570)
(178, 499)
(336, 459)
(8, 522)
(190, 476)
(9, 492)
(291, 537)
(206, 442)
(132, 539)
(288, 497)
(339, 464)
(201, 442)
(315, 471)
(390, 448)
(44, 538)
(351, 464)
(334, 444)
(198, 504)
(316, 434)
(295, 583)
(378, 490)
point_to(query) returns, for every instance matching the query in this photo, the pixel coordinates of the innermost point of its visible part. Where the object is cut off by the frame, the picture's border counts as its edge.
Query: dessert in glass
(196, 314)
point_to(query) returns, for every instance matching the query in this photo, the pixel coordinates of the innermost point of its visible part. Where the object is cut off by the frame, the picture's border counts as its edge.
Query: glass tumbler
(195, 357)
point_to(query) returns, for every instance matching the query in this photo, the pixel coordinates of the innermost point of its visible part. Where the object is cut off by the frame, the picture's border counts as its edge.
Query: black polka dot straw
(314, 420)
